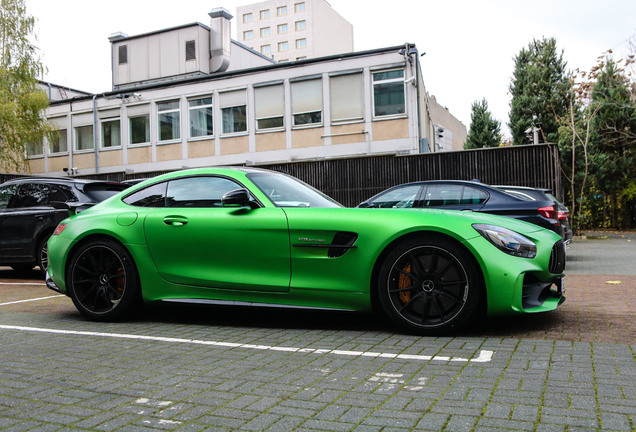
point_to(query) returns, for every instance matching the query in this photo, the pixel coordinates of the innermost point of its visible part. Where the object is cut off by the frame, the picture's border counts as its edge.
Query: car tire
(43, 254)
(429, 286)
(102, 280)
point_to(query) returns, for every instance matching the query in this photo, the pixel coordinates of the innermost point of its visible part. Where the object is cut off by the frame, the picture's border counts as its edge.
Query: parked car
(250, 237)
(28, 214)
(541, 194)
(467, 195)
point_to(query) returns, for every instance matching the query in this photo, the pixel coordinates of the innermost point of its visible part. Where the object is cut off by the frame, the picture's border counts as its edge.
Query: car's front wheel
(429, 286)
(103, 281)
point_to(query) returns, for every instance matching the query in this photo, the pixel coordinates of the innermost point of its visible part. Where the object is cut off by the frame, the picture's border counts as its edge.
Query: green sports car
(245, 236)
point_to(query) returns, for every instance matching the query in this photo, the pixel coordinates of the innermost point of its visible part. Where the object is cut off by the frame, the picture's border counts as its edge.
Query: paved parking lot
(201, 368)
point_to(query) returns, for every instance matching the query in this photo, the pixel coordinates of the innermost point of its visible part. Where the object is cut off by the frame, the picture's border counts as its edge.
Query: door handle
(175, 220)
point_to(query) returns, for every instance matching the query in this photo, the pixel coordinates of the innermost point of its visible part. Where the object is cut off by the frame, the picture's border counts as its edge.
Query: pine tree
(539, 89)
(485, 131)
(21, 100)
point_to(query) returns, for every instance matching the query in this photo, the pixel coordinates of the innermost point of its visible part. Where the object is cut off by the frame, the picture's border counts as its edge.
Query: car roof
(59, 180)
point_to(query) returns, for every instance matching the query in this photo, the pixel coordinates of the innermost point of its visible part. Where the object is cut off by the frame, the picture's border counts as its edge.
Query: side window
(153, 196)
(6, 193)
(404, 197)
(443, 195)
(473, 196)
(29, 195)
(198, 191)
(58, 193)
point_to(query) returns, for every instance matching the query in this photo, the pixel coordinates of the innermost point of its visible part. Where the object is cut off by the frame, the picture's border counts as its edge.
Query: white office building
(288, 30)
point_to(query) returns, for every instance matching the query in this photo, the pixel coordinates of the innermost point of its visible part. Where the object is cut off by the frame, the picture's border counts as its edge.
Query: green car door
(195, 240)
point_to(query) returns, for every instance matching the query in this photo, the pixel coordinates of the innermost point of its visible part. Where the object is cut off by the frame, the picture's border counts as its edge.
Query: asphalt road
(208, 368)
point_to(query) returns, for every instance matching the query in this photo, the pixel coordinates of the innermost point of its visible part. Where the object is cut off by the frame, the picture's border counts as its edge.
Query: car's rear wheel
(429, 286)
(103, 280)
(43, 254)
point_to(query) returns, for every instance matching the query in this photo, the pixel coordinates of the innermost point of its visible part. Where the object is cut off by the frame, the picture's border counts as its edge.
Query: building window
(265, 31)
(283, 46)
(190, 50)
(299, 7)
(347, 97)
(282, 28)
(234, 111)
(247, 18)
(281, 11)
(301, 25)
(35, 149)
(247, 35)
(169, 118)
(84, 137)
(264, 14)
(269, 107)
(59, 143)
(266, 49)
(139, 129)
(388, 93)
(306, 100)
(301, 43)
(283, 60)
(111, 133)
(301, 58)
(200, 116)
(123, 54)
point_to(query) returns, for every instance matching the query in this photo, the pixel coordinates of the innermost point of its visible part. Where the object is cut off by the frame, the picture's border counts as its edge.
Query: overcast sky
(469, 44)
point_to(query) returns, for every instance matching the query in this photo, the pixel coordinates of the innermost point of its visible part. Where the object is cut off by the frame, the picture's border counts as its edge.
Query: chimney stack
(220, 39)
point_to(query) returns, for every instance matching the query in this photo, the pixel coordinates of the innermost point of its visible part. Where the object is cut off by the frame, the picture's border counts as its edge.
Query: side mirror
(240, 197)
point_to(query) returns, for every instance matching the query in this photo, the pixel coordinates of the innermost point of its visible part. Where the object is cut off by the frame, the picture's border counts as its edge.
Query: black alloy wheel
(103, 281)
(429, 286)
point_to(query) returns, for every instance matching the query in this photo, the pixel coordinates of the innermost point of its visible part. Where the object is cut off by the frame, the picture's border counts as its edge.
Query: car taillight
(59, 229)
(548, 212)
(563, 215)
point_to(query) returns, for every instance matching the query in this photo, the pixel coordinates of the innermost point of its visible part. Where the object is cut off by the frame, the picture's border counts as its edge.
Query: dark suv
(31, 208)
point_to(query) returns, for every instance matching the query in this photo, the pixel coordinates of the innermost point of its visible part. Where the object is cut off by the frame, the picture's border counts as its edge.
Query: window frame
(176, 122)
(77, 135)
(59, 133)
(285, 44)
(384, 82)
(231, 108)
(300, 25)
(101, 133)
(280, 26)
(248, 17)
(248, 35)
(265, 31)
(146, 129)
(208, 108)
(264, 14)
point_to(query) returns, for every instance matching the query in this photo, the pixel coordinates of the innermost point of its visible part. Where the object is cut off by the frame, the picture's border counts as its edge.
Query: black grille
(557, 258)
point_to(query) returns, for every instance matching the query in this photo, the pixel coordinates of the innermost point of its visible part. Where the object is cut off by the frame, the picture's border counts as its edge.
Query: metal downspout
(95, 134)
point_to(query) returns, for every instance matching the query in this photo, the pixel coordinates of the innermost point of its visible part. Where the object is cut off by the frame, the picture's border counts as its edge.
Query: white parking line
(23, 283)
(483, 357)
(30, 300)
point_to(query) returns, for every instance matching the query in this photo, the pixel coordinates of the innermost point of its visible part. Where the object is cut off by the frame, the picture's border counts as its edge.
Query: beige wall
(198, 149)
(390, 129)
(235, 145)
(139, 155)
(167, 152)
(303, 138)
(270, 141)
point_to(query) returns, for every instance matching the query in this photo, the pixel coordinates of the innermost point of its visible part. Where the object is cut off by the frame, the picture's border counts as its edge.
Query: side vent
(123, 54)
(190, 50)
(341, 243)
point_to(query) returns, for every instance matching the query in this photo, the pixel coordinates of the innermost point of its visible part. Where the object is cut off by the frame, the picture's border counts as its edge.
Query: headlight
(508, 241)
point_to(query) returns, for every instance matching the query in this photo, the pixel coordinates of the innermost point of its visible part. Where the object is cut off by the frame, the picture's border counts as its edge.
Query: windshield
(286, 191)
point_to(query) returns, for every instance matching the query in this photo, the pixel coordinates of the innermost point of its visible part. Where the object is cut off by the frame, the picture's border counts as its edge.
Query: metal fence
(353, 180)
